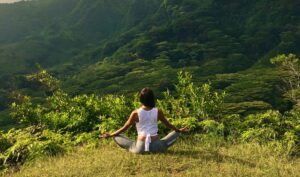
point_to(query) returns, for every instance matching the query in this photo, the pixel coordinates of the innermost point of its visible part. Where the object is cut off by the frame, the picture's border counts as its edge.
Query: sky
(8, 1)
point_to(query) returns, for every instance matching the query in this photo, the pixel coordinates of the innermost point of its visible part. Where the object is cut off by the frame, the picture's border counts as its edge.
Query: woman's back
(146, 119)
(147, 124)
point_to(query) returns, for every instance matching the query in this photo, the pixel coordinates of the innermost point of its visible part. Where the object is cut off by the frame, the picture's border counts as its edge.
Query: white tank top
(147, 122)
(147, 125)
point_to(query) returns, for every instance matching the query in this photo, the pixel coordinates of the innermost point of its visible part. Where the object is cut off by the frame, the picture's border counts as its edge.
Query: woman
(146, 118)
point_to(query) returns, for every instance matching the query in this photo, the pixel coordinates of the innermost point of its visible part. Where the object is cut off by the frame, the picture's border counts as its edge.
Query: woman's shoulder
(141, 109)
(134, 115)
(159, 111)
(135, 111)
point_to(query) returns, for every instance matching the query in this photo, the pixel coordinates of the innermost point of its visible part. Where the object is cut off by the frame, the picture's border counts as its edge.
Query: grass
(186, 158)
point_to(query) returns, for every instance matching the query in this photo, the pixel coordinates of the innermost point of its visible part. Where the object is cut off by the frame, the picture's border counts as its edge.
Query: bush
(260, 135)
(273, 126)
(212, 127)
(191, 104)
(73, 114)
(5, 143)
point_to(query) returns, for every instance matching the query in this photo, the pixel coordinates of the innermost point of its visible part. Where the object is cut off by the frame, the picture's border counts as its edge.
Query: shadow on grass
(209, 155)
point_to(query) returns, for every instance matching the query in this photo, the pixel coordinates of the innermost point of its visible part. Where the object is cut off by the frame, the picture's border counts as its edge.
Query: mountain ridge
(106, 46)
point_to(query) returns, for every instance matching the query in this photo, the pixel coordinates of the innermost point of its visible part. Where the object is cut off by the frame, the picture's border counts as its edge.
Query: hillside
(105, 46)
(229, 49)
(184, 159)
(52, 33)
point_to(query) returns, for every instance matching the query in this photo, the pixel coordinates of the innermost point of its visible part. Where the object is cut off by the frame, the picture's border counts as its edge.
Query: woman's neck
(146, 108)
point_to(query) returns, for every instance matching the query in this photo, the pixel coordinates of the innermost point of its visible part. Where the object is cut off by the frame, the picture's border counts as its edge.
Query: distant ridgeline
(120, 46)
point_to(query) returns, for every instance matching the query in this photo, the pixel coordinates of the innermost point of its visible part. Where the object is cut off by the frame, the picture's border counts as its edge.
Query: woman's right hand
(184, 130)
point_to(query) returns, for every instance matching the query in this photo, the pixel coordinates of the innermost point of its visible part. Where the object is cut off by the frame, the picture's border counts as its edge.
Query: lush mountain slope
(114, 46)
(205, 37)
(51, 33)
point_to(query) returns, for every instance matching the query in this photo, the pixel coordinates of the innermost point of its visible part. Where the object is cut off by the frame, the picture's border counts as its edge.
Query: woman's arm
(162, 118)
(131, 120)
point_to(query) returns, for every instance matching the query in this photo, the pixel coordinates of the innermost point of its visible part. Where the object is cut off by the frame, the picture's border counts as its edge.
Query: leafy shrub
(291, 142)
(261, 135)
(18, 151)
(26, 144)
(26, 113)
(4, 143)
(88, 139)
(47, 82)
(73, 114)
(191, 104)
(212, 127)
(273, 126)
(191, 122)
(269, 119)
(232, 125)
(290, 64)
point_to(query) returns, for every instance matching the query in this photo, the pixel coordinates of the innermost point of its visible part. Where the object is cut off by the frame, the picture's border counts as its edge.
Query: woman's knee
(170, 139)
(123, 142)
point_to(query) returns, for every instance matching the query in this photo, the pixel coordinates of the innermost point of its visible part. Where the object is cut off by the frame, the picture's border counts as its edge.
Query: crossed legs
(139, 146)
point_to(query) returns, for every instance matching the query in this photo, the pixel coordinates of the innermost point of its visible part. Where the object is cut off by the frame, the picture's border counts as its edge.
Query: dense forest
(105, 46)
(70, 70)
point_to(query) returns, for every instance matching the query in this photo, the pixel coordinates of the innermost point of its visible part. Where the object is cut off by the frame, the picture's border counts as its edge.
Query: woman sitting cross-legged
(146, 118)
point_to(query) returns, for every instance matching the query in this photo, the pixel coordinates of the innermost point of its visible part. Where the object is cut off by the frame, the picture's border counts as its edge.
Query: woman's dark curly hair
(147, 97)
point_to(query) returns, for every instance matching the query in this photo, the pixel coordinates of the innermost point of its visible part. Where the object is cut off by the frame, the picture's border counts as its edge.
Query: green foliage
(192, 101)
(285, 60)
(73, 114)
(63, 113)
(4, 143)
(191, 122)
(75, 38)
(261, 135)
(25, 113)
(291, 142)
(232, 126)
(88, 139)
(246, 108)
(291, 65)
(212, 127)
(62, 121)
(47, 82)
(26, 144)
(270, 119)
(271, 126)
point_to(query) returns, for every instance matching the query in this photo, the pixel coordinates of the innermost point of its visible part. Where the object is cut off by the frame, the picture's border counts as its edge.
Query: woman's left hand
(105, 135)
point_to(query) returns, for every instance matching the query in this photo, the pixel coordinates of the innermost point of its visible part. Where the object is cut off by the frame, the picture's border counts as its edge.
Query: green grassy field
(186, 158)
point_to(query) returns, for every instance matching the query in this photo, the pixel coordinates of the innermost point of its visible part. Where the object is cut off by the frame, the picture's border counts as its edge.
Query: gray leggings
(139, 146)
